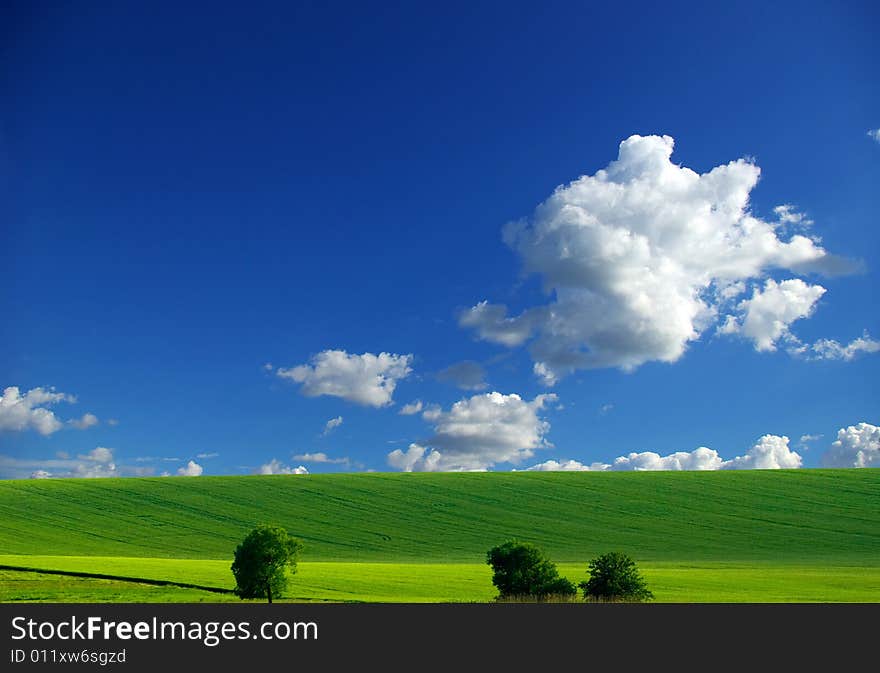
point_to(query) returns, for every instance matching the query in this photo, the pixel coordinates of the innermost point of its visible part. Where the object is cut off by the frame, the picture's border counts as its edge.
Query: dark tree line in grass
(522, 571)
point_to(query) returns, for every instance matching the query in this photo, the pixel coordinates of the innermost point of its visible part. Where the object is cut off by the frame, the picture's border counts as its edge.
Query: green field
(427, 582)
(730, 536)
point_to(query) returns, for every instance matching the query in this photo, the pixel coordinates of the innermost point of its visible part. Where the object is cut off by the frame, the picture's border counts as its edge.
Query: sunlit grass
(731, 536)
(431, 582)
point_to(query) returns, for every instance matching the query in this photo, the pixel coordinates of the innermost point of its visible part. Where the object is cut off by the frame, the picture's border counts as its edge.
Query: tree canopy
(614, 577)
(522, 569)
(263, 562)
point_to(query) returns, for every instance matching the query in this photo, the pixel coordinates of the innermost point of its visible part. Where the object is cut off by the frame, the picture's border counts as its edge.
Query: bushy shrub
(522, 571)
(615, 578)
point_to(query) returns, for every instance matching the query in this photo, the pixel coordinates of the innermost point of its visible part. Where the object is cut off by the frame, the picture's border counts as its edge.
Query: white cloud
(856, 446)
(567, 466)
(545, 375)
(28, 412)
(639, 259)
(415, 459)
(432, 412)
(874, 134)
(321, 457)
(275, 466)
(113, 421)
(94, 468)
(829, 349)
(493, 324)
(701, 458)
(467, 375)
(605, 409)
(728, 291)
(331, 425)
(789, 216)
(771, 452)
(99, 454)
(191, 469)
(766, 317)
(807, 439)
(87, 421)
(212, 454)
(98, 462)
(411, 409)
(477, 433)
(366, 379)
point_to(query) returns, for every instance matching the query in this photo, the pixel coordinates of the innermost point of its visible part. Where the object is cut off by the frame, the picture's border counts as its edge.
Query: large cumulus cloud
(367, 379)
(477, 433)
(771, 452)
(856, 446)
(644, 256)
(30, 411)
(766, 317)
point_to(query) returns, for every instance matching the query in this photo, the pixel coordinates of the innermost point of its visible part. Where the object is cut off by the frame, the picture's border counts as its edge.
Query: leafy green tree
(522, 569)
(614, 577)
(263, 562)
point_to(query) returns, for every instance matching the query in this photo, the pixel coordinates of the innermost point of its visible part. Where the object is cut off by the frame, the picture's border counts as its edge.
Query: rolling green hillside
(795, 516)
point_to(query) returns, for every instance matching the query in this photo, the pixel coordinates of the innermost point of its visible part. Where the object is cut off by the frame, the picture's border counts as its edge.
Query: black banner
(127, 637)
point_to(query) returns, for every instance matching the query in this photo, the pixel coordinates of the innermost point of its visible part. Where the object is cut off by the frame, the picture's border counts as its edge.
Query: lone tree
(263, 562)
(523, 570)
(615, 578)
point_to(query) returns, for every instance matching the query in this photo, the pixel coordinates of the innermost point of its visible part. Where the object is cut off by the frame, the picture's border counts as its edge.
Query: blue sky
(216, 221)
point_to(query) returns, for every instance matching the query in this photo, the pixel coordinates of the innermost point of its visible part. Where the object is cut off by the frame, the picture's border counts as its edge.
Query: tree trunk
(269, 591)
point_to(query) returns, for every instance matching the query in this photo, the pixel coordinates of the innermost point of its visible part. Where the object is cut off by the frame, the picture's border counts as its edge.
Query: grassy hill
(793, 516)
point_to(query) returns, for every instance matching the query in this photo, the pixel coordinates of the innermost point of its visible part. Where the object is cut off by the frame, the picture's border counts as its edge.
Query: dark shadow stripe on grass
(118, 578)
